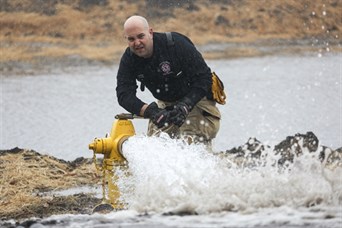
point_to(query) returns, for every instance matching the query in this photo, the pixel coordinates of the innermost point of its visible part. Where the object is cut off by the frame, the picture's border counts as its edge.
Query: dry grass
(26, 174)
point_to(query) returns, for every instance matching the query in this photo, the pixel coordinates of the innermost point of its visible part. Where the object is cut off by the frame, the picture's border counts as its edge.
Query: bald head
(139, 36)
(136, 21)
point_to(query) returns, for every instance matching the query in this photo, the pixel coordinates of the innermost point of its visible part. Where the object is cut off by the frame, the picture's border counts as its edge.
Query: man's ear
(151, 32)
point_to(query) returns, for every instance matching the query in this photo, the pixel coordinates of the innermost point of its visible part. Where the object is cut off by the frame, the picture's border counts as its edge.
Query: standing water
(269, 98)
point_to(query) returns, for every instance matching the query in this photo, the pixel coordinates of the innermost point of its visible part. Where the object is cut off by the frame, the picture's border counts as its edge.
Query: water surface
(269, 98)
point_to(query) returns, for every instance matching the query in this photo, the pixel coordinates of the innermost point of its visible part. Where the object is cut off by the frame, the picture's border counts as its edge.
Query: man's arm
(126, 88)
(195, 67)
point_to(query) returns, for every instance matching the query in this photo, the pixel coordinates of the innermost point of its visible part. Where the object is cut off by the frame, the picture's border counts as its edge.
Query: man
(176, 75)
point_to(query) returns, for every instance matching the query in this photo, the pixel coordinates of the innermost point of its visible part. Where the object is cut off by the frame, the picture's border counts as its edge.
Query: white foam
(170, 176)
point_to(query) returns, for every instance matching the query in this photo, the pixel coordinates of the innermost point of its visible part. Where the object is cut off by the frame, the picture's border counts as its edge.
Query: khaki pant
(201, 125)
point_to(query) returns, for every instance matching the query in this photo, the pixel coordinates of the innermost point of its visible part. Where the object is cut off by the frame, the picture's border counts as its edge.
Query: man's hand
(160, 117)
(179, 113)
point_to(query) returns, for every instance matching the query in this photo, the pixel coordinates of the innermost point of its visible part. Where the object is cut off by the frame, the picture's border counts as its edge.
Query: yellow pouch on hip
(218, 90)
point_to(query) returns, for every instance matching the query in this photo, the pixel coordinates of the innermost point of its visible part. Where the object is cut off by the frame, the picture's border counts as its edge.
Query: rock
(295, 146)
(249, 154)
(253, 151)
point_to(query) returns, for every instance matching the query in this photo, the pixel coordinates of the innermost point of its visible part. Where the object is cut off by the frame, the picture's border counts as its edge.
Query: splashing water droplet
(172, 174)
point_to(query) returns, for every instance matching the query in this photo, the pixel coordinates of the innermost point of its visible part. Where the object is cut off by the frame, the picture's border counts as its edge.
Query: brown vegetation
(26, 176)
(92, 29)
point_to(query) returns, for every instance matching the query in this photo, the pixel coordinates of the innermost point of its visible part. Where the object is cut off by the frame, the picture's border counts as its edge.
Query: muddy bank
(232, 50)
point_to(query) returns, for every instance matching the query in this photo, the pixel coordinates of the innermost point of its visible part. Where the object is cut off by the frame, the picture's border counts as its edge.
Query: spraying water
(169, 176)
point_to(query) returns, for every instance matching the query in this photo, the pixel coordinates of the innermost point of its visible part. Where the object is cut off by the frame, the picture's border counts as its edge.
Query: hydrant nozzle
(111, 148)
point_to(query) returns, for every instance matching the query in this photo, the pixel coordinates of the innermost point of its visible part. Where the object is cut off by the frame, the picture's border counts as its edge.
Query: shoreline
(42, 64)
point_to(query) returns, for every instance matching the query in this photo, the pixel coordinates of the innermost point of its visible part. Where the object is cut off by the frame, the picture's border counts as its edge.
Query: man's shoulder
(176, 36)
(180, 38)
(128, 59)
(127, 53)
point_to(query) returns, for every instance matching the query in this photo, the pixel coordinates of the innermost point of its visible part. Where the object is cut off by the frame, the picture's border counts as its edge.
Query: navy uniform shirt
(172, 73)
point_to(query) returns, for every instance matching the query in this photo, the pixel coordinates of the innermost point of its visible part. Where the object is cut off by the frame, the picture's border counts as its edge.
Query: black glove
(179, 113)
(158, 116)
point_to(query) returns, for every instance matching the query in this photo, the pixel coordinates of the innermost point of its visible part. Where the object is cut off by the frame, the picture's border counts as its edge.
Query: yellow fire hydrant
(111, 148)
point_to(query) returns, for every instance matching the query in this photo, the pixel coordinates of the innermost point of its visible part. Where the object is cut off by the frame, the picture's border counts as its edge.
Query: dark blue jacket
(172, 73)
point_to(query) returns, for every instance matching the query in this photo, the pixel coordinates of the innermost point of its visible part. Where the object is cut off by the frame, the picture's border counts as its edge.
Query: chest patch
(165, 67)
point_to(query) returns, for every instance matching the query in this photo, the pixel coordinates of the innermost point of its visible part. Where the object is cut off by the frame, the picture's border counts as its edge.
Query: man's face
(140, 40)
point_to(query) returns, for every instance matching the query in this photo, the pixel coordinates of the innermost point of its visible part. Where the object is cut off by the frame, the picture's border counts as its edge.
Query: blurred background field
(38, 33)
